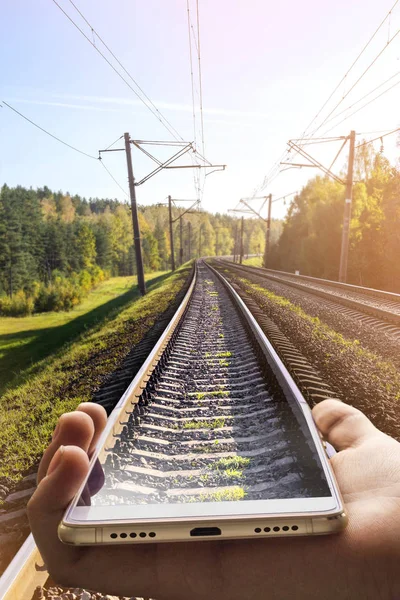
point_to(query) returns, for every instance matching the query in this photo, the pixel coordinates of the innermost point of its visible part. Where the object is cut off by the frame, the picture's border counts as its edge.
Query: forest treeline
(311, 236)
(55, 247)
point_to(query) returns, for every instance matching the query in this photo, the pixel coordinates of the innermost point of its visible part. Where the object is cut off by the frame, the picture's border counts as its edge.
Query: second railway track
(376, 308)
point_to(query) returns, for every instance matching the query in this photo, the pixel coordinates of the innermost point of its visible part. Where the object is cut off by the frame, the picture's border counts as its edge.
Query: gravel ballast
(359, 362)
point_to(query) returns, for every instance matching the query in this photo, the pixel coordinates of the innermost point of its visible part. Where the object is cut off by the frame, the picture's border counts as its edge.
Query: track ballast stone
(346, 353)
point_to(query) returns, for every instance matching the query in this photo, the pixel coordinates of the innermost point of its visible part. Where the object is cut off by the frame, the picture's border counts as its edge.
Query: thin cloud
(166, 106)
(63, 105)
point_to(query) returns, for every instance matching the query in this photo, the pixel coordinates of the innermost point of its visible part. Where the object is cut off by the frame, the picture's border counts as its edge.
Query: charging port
(200, 531)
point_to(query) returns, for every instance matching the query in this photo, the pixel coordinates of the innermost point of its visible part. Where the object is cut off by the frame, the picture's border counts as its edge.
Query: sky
(267, 69)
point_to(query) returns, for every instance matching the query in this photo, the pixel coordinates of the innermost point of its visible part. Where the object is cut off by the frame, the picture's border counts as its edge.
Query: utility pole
(181, 241)
(190, 240)
(293, 145)
(135, 220)
(344, 253)
(201, 226)
(268, 235)
(241, 241)
(171, 234)
(234, 243)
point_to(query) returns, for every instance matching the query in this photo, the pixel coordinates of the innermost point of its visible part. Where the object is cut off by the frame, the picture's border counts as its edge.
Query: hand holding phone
(367, 468)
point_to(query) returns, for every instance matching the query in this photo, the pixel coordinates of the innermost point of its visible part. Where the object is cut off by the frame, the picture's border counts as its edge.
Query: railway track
(208, 416)
(376, 308)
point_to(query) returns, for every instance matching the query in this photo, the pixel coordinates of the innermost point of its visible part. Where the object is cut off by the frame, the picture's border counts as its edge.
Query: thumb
(342, 425)
(66, 472)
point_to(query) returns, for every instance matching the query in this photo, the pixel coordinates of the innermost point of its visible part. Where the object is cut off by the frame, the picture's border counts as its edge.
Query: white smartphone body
(106, 511)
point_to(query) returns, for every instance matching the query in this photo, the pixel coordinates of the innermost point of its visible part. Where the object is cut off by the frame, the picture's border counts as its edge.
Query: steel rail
(329, 282)
(288, 279)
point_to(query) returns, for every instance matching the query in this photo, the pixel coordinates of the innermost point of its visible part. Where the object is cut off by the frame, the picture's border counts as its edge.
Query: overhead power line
(351, 66)
(113, 178)
(196, 176)
(356, 82)
(48, 132)
(342, 112)
(378, 138)
(65, 143)
(363, 106)
(149, 104)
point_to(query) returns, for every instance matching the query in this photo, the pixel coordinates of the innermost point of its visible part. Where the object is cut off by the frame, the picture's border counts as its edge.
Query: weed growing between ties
(231, 462)
(212, 394)
(215, 424)
(28, 413)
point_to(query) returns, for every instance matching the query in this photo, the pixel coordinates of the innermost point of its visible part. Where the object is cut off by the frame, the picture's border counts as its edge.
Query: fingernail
(56, 460)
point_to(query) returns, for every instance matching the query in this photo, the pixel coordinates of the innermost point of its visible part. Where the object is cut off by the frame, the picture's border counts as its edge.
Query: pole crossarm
(189, 210)
(165, 164)
(252, 209)
(314, 162)
(184, 148)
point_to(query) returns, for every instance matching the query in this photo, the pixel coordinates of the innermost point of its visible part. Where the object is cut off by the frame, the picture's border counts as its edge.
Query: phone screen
(212, 426)
(268, 456)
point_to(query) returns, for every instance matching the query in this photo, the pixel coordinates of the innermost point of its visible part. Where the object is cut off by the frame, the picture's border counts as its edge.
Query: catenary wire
(166, 121)
(196, 176)
(362, 98)
(352, 66)
(200, 87)
(363, 106)
(48, 133)
(356, 82)
(153, 111)
(380, 137)
(113, 178)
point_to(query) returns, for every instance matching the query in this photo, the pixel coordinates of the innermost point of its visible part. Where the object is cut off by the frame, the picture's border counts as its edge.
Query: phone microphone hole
(277, 528)
(285, 528)
(123, 535)
(133, 535)
(142, 534)
(294, 528)
(267, 529)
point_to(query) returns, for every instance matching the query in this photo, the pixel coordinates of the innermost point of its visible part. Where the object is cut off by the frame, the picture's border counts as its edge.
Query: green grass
(231, 462)
(254, 261)
(216, 424)
(214, 394)
(69, 375)
(26, 341)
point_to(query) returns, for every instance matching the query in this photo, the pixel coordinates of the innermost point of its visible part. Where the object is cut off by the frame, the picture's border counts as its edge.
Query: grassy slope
(26, 341)
(29, 412)
(254, 261)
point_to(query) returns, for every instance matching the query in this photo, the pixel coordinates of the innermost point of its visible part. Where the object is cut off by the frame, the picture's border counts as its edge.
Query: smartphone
(134, 495)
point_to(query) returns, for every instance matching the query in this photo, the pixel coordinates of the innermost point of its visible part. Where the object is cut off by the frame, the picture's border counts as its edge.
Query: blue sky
(267, 67)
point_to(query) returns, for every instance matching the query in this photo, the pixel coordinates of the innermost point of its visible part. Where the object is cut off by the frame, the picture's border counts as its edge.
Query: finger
(73, 429)
(66, 471)
(342, 425)
(99, 417)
